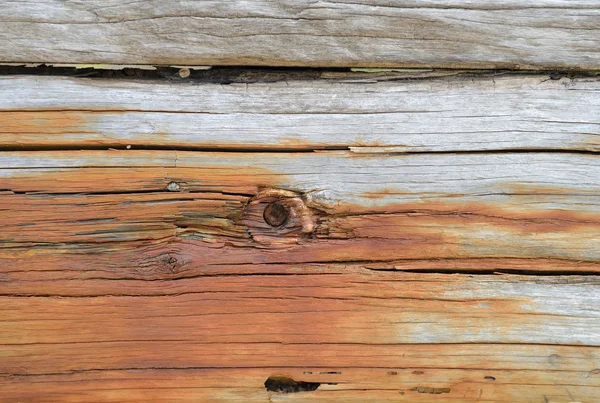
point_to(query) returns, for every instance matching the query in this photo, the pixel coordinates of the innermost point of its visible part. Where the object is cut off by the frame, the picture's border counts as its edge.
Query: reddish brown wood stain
(320, 324)
(431, 231)
(133, 282)
(45, 122)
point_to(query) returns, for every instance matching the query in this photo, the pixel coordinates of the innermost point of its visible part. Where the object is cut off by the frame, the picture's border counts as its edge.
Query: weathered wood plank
(343, 206)
(246, 385)
(444, 114)
(552, 34)
(367, 307)
(140, 275)
(386, 334)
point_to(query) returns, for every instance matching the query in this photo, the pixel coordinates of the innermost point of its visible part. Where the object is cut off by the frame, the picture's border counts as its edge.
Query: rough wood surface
(343, 206)
(151, 275)
(549, 34)
(446, 251)
(364, 335)
(463, 113)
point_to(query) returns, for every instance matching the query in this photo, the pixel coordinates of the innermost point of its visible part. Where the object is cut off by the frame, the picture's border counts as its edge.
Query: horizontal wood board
(547, 34)
(459, 113)
(344, 206)
(362, 334)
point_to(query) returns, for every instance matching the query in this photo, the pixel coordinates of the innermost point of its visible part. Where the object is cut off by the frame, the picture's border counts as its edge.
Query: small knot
(278, 218)
(276, 214)
(169, 264)
(162, 266)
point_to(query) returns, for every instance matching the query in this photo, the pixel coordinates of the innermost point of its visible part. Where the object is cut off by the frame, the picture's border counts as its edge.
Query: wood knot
(161, 266)
(276, 214)
(277, 218)
(169, 264)
(173, 187)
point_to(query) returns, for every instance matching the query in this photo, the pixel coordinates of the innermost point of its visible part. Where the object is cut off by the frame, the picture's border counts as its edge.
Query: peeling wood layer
(463, 113)
(457, 34)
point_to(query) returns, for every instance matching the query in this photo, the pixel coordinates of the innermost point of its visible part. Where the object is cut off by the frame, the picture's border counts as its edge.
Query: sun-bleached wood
(461, 113)
(550, 34)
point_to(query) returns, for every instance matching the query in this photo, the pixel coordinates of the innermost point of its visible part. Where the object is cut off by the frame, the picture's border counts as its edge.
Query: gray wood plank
(462, 113)
(549, 34)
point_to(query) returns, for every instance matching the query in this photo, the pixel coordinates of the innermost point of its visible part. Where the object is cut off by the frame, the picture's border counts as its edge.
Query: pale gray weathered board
(461, 113)
(549, 34)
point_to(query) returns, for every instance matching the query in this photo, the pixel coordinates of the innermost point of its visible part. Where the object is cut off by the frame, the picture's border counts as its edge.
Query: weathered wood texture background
(442, 241)
(150, 274)
(462, 113)
(379, 33)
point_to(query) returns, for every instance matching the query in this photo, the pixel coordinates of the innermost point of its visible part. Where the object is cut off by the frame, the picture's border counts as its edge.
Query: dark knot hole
(276, 214)
(283, 384)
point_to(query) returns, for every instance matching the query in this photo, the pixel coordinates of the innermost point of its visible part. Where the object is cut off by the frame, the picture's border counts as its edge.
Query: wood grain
(445, 250)
(345, 207)
(362, 334)
(243, 386)
(463, 113)
(550, 34)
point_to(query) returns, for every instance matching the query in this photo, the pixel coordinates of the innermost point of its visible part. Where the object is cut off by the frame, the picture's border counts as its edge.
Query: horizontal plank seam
(364, 150)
